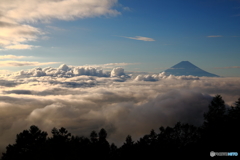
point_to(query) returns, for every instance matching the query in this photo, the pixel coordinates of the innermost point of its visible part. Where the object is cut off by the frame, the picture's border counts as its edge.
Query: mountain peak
(187, 68)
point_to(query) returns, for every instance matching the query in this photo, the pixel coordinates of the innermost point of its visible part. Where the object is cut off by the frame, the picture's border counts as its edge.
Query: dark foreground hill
(186, 68)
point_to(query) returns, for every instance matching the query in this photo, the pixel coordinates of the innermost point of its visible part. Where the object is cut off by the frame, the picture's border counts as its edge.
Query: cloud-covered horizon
(17, 15)
(83, 99)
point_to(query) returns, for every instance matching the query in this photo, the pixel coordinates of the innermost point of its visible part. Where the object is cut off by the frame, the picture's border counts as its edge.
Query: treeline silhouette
(219, 132)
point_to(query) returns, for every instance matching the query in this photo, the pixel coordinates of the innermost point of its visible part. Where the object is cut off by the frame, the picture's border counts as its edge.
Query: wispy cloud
(126, 9)
(120, 64)
(231, 67)
(214, 36)
(24, 63)
(15, 36)
(109, 65)
(236, 15)
(20, 46)
(56, 28)
(140, 38)
(13, 57)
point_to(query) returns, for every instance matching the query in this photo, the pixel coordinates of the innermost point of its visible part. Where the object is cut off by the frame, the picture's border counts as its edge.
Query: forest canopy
(219, 132)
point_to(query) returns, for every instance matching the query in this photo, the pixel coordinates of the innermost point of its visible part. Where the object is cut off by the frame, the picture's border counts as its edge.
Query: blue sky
(142, 35)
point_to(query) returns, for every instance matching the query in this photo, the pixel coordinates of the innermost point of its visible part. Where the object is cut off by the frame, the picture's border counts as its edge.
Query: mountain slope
(186, 68)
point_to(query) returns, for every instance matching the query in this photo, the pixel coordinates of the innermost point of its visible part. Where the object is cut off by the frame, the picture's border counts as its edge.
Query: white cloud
(13, 37)
(162, 76)
(140, 38)
(111, 65)
(15, 13)
(42, 10)
(5, 72)
(20, 46)
(116, 72)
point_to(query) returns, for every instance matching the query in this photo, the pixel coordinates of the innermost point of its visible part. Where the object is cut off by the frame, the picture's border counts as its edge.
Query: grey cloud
(6, 24)
(8, 83)
(18, 92)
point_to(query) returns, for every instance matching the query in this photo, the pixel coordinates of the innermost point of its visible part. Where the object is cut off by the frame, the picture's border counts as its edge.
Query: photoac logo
(212, 153)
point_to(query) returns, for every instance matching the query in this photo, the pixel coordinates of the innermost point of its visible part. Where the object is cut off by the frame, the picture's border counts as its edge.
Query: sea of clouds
(83, 99)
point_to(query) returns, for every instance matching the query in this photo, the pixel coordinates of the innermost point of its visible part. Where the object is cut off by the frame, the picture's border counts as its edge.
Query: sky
(138, 35)
(91, 64)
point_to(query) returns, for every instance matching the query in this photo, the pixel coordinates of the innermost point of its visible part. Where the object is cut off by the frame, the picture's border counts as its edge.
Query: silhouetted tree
(216, 112)
(214, 126)
(103, 145)
(102, 135)
(129, 141)
(58, 145)
(232, 127)
(29, 145)
(127, 151)
(94, 136)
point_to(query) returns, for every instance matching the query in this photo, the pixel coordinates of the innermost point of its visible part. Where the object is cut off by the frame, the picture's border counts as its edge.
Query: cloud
(116, 72)
(214, 36)
(163, 75)
(7, 83)
(111, 65)
(231, 67)
(236, 15)
(13, 37)
(35, 10)
(127, 9)
(20, 46)
(16, 13)
(24, 63)
(140, 38)
(4, 72)
(12, 57)
(56, 28)
(83, 99)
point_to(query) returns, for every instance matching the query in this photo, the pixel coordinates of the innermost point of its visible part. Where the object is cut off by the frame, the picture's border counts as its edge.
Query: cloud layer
(83, 99)
(15, 33)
